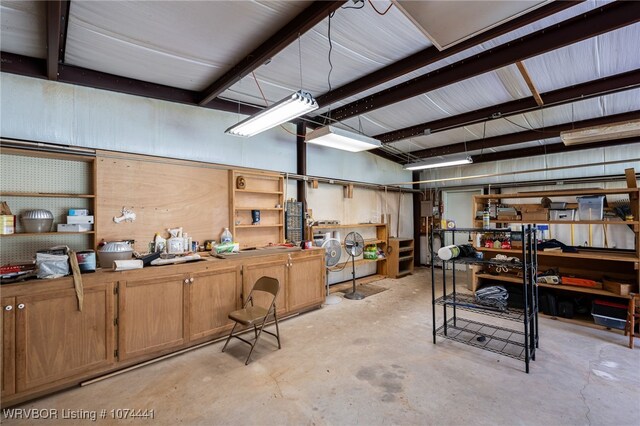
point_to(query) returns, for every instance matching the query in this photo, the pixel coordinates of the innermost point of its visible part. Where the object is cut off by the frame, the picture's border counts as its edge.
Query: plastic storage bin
(591, 207)
(609, 314)
(568, 214)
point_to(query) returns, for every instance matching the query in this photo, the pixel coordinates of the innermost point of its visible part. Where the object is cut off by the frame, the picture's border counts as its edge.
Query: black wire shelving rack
(518, 342)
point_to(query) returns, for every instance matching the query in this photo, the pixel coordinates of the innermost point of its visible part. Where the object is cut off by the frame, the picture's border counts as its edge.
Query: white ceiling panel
(23, 26)
(361, 42)
(181, 44)
(608, 54)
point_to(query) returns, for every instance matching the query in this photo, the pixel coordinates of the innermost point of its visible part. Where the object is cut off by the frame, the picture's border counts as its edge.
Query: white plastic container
(226, 236)
(591, 207)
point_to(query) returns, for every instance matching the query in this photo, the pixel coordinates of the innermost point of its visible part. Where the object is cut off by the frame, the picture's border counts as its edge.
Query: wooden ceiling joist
(529, 81)
(590, 24)
(303, 22)
(432, 54)
(603, 86)
(521, 137)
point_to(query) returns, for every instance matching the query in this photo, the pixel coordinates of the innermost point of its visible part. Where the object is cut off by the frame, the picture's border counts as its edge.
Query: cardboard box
(76, 227)
(85, 220)
(534, 213)
(618, 287)
(78, 212)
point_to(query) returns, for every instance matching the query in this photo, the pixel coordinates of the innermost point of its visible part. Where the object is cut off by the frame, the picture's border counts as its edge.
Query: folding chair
(256, 316)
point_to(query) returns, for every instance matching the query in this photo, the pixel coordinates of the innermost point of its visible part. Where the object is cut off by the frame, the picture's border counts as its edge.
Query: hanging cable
(526, 128)
(328, 115)
(377, 11)
(266, 104)
(354, 7)
(300, 59)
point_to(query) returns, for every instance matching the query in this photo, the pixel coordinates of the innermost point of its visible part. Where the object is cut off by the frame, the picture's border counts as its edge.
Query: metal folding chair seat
(255, 316)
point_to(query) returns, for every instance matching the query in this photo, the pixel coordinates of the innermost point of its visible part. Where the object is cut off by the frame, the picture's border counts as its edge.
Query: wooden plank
(527, 79)
(585, 290)
(630, 175)
(609, 256)
(354, 225)
(169, 195)
(568, 222)
(563, 193)
(46, 194)
(505, 278)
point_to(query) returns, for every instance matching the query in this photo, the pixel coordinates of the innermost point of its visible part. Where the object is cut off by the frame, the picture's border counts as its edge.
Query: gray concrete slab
(372, 362)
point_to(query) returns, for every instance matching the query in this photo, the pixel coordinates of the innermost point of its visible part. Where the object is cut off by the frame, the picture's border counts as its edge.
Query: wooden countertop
(101, 276)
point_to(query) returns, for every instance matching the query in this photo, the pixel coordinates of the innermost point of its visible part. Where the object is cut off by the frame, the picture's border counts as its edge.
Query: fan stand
(331, 299)
(354, 295)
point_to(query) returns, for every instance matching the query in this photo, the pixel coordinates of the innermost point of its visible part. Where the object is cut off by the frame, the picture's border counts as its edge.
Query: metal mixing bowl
(37, 220)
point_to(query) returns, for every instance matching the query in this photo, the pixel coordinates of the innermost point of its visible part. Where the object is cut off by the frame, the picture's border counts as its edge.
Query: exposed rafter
(554, 148)
(302, 23)
(598, 21)
(590, 89)
(432, 54)
(521, 137)
(57, 16)
(33, 67)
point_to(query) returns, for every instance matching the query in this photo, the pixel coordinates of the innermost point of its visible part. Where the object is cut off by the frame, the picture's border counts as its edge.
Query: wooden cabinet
(262, 191)
(8, 341)
(276, 269)
(400, 258)
(55, 341)
(306, 282)
(152, 315)
(212, 296)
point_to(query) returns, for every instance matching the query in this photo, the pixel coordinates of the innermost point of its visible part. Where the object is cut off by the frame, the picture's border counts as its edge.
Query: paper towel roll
(448, 252)
(126, 265)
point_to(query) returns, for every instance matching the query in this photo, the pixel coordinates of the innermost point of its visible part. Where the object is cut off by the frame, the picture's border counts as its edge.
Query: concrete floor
(372, 362)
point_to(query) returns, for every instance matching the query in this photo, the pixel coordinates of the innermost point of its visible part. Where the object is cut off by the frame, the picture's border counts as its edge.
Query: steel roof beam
(521, 137)
(598, 21)
(34, 67)
(57, 16)
(431, 54)
(590, 89)
(302, 23)
(554, 148)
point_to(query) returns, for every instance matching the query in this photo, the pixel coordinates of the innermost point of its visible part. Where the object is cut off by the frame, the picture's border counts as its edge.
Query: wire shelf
(467, 302)
(499, 340)
(476, 261)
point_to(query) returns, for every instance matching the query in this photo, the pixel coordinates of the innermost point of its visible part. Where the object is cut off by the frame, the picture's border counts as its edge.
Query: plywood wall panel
(163, 195)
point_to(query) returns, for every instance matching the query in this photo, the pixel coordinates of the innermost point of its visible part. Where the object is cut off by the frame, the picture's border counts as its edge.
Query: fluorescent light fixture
(605, 132)
(335, 137)
(293, 106)
(431, 164)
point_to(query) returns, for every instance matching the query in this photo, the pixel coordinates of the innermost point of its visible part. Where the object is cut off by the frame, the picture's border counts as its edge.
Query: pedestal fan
(332, 252)
(354, 246)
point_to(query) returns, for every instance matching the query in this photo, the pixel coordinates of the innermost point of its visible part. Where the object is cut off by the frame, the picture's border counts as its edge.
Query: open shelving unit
(518, 342)
(261, 191)
(592, 263)
(401, 253)
(51, 181)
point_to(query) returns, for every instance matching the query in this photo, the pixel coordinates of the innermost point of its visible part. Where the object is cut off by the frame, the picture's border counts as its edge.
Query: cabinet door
(275, 269)
(8, 341)
(55, 341)
(212, 296)
(306, 285)
(152, 315)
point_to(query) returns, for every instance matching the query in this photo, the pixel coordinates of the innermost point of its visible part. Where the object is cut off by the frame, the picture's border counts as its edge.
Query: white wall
(44, 111)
